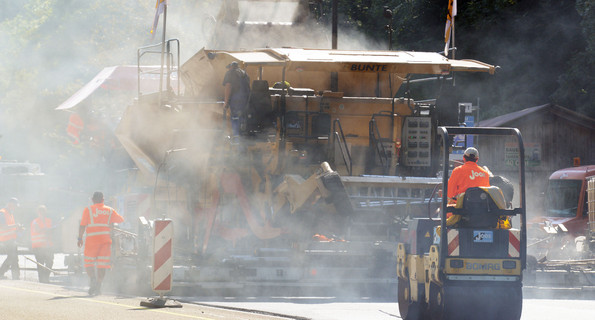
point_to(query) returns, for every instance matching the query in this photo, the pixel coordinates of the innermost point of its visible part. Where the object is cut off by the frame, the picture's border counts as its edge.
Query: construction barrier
(514, 243)
(453, 242)
(163, 265)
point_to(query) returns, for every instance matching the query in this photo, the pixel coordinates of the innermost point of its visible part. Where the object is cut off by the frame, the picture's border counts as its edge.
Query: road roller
(466, 261)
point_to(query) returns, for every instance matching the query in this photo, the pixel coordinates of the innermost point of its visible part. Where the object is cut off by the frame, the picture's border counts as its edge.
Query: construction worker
(8, 237)
(468, 175)
(97, 222)
(41, 244)
(237, 94)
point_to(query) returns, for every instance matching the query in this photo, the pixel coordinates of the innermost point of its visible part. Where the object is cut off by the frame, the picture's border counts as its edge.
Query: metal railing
(171, 65)
(376, 144)
(339, 138)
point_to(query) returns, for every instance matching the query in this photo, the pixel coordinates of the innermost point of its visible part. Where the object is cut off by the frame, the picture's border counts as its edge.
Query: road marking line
(106, 302)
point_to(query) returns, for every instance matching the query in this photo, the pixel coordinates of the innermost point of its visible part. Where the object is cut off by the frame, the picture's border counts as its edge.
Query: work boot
(92, 287)
(235, 140)
(98, 288)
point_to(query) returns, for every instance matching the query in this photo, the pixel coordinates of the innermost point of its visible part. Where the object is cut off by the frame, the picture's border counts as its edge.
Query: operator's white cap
(472, 153)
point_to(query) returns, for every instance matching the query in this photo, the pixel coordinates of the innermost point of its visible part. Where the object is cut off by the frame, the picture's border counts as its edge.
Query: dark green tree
(577, 84)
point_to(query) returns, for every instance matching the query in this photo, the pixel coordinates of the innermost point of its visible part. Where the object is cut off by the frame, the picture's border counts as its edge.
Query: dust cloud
(174, 141)
(215, 193)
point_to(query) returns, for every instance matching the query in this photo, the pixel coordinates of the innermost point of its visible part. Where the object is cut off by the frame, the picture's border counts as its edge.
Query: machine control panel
(417, 132)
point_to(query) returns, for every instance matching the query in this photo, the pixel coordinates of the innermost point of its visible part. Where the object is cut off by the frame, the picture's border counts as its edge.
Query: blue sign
(483, 236)
(459, 140)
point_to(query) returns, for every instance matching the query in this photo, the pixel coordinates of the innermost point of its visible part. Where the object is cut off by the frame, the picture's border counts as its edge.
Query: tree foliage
(544, 47)
(49, 50)
(577, 84)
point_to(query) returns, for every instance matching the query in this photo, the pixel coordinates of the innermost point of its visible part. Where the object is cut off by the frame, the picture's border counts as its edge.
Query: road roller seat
(481, 207)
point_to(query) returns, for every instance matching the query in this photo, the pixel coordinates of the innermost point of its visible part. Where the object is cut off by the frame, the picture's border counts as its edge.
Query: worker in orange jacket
(97, 222)
(8, 237)
(463, 177)
(41, 244)
(468, 175)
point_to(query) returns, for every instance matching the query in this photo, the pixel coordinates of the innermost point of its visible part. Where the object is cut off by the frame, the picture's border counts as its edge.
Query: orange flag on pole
(448, 29)
(159, 6)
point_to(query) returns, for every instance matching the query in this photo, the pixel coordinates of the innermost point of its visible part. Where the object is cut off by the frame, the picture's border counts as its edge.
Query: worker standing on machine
(97, 221)
(8, 239)
(41, 244)
(237, 93)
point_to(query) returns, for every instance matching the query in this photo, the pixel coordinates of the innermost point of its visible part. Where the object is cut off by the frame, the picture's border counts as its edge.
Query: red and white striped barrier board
(163, 262)
(453, 242)
(514, 244)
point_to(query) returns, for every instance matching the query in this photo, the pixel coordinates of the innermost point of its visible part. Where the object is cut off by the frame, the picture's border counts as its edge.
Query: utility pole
(162, 51)
(335, 19)
(388, 14)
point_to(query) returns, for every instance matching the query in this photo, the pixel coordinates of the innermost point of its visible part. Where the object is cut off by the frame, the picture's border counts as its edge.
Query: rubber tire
(408, 309)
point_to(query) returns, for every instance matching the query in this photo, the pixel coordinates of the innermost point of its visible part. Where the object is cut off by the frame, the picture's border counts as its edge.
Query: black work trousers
(12, 259)
(45, 257)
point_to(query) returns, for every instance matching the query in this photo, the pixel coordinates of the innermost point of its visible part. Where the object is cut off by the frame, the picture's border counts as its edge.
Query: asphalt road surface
(67, 298)
(24, 299)
(362, 309)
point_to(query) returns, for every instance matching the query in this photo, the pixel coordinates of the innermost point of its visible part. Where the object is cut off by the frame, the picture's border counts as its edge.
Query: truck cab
(564, 217)
(566, 198)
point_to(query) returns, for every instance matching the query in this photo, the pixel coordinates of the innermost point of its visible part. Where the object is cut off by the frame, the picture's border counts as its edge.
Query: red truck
(557, 234)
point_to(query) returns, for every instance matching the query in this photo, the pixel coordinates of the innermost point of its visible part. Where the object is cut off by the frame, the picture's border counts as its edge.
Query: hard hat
(232, 65)
(281, 85)
(14, 200)
(472, 153)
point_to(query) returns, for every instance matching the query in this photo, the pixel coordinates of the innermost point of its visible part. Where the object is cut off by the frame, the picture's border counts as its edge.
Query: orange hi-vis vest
(75, 126)
(97, 219)
(468, 175)
(9, 231)
(39, 233)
